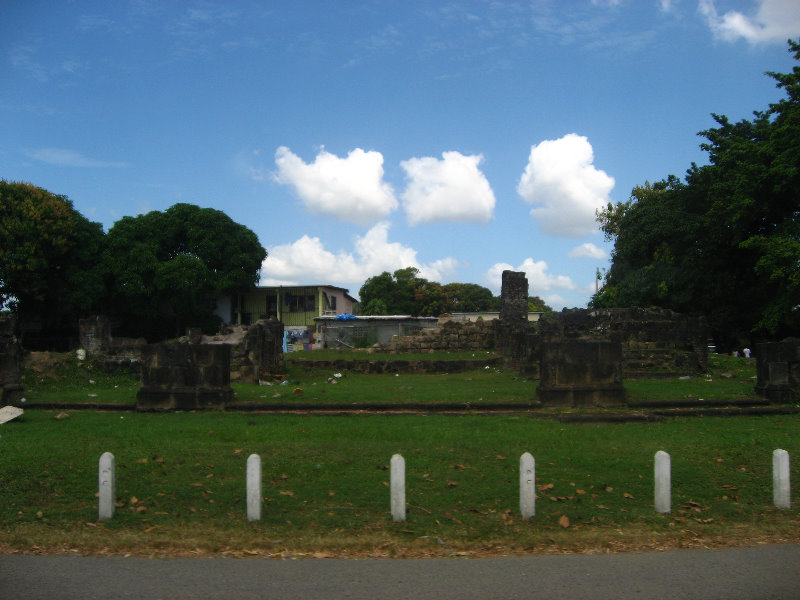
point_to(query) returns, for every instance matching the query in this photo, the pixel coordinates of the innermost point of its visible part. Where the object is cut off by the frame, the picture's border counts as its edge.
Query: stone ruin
(512, 329)
(182, 376)
(11, 390)
(450, 335)
(655, 342)
(778, 370)
(260, 354)
(580, 372)
(105, 352)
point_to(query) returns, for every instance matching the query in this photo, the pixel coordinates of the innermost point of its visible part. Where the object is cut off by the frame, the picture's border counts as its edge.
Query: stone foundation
(654, 341)
(778, 370)
(178, 376)
(450, 336)
(577, 373)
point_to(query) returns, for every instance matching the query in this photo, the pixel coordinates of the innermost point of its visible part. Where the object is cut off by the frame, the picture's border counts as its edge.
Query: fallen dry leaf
(564, 521)
(286, 493)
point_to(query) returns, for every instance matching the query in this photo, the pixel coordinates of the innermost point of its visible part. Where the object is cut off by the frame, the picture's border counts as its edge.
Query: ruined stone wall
(185, 376)
(259, 357)
(449, 336)
(654, 340)
(778, 370)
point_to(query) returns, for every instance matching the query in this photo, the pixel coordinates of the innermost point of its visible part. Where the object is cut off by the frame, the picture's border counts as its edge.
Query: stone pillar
(778, 370)
(263, 350)
(576, 373)
(512, 328)
(11, 390)
(179, 376)
(94, 334)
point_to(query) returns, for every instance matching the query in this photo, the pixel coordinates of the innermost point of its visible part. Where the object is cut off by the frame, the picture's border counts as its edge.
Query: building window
(300, 303)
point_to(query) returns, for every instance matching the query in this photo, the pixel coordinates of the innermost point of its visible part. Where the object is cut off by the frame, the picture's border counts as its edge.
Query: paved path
(762, 573)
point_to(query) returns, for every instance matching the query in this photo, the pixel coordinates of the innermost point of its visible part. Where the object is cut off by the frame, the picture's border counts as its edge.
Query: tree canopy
(49, 274)
(725, 242)
(155, 274)
(404, 292)
(164, 269)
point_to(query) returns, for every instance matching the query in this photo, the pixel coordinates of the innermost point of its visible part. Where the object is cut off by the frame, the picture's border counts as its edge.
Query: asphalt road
(761, 573)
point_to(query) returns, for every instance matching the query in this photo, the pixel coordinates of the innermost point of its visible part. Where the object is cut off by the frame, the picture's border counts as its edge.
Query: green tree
(404, 292)
(166, 268)
(49, 273)
(726, 242)
(467, 297)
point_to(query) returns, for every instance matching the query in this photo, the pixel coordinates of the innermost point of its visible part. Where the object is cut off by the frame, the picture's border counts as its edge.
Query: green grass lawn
(181, 476)
(728, 378)
(181, 484)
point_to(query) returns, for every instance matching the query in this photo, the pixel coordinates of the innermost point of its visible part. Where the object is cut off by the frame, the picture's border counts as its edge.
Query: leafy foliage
(405, 293)
(48, 257)
(165, 268)
(726, 241)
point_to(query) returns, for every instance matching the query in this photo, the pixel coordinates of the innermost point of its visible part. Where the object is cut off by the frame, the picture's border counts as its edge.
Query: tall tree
(49, 274)
(404, 292)
(726, 242)
(166, 268)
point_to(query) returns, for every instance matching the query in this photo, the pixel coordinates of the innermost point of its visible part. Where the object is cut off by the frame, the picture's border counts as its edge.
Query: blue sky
(462, 138)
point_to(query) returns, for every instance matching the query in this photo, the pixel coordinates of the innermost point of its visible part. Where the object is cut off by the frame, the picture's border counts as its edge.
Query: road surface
(761, 573)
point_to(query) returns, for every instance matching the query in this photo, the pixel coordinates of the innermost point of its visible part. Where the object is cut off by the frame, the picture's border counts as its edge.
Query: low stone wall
(654, 340)
(778, 370)
(578, 373)
(450, 336)
(178, 376)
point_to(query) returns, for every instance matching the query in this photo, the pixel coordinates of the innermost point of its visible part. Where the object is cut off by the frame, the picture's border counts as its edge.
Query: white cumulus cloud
(450, 189)
(564, 186)
(772, 21)
(587, 250)
(307, 261)
(349, 189)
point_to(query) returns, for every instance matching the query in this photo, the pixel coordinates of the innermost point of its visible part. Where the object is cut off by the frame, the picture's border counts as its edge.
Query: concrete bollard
(397, 488)
(106, 486)
(663, 482)
(527, 486)
(781, 486)
(254, 487)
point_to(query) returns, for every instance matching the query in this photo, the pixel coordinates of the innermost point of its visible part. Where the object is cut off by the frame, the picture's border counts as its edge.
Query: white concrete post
(254, 487)
(781, 488)
(106, 486)
(527, 485)
(663, 479)
(397, 488)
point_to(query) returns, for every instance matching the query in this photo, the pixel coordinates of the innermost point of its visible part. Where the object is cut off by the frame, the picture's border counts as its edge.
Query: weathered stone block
(578, 373)
(778, 370)
(185, 377)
